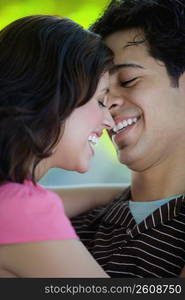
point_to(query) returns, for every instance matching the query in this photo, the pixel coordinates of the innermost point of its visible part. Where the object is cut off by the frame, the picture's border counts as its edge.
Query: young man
(142, 232)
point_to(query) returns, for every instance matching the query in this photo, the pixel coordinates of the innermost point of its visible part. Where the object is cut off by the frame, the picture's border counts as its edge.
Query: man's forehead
(128, 48)
(125, 38)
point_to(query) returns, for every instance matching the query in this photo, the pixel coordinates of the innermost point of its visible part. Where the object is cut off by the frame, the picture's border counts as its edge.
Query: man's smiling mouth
(124, 124)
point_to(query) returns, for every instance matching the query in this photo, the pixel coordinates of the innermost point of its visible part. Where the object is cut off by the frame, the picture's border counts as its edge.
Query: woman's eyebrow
(105, 90)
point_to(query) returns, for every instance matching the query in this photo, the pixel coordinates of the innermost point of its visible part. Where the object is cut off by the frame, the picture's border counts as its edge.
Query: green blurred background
(81, 11)
(104, 167)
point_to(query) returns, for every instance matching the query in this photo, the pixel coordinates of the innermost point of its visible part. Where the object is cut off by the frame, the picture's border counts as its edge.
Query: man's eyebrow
(124, 66)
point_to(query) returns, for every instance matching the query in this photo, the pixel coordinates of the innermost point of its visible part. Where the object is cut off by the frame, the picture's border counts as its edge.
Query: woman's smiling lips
(93, 139)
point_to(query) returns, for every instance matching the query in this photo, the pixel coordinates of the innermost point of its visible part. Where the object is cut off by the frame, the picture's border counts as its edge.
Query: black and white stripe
(154, 248)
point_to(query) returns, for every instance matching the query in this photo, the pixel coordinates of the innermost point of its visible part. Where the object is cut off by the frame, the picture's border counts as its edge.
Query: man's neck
(158, 183)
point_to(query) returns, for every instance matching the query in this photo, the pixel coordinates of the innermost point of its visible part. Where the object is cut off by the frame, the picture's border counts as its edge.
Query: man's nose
(115, 101)
(115, 97)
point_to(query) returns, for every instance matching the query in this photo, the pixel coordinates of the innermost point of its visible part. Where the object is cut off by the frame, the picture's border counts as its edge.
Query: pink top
(30, 213)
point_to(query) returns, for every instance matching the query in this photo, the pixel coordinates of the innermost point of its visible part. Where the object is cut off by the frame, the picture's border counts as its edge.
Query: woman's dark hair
(163, 25)
(48, 67)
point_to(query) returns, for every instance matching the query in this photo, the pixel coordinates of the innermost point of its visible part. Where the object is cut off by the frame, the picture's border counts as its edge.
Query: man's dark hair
(163, 25)
(48, 67)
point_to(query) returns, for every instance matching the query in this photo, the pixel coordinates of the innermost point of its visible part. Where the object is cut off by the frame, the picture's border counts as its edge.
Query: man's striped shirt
(153, 248)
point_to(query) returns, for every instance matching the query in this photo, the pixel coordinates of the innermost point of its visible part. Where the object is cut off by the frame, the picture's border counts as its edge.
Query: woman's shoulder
(27, 193)
(15, 189)
(29, 212)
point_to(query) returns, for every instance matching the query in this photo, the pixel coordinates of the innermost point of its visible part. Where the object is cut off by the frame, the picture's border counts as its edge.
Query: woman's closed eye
(101, 103)
(128, 83)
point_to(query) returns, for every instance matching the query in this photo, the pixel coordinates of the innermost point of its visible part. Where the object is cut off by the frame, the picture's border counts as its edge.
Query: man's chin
(126, 159)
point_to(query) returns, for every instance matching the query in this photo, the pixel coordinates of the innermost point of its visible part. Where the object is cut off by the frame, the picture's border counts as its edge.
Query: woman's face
(82, 130)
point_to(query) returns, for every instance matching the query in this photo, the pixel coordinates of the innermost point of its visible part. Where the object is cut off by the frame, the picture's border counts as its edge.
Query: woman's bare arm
(79, 199)
(52, 259)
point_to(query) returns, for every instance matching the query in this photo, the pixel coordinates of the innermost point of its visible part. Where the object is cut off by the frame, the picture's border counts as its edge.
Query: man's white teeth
(93, 139)
(124, 124)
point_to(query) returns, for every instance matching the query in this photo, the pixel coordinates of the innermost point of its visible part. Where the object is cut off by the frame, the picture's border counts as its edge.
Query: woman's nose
(108, 121)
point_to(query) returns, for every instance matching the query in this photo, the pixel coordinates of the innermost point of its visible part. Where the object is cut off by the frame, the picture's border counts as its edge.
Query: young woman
(53, 84)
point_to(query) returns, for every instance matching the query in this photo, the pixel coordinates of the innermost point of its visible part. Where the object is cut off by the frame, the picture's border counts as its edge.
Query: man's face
(148, 110)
